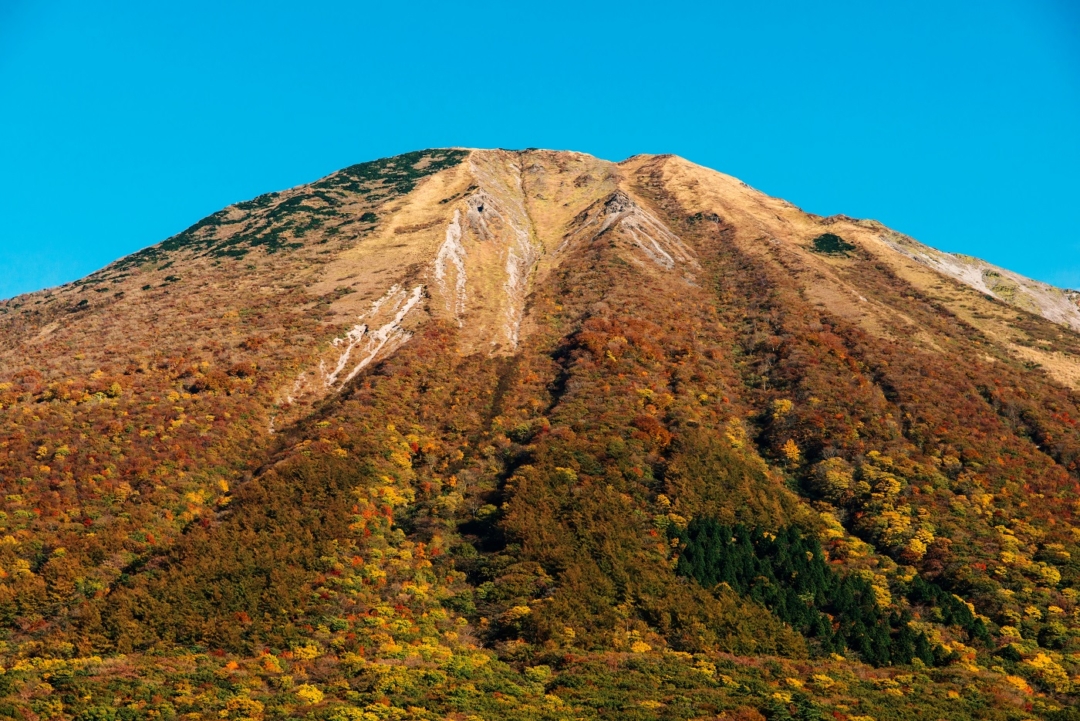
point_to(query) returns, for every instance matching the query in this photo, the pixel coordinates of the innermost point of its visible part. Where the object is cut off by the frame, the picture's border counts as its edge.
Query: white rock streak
(390, 334)
(297, 388)
(367, 343)
(452, 252)
(650, 235)
(505, 201)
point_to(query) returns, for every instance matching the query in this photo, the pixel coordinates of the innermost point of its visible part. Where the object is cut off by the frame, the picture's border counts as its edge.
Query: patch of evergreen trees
(952, 611)
(832, 244)
(787, 573)
(399, 172)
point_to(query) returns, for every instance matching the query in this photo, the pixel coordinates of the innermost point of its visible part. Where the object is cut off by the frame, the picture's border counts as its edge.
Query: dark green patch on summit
(275, 224)
(398, 174)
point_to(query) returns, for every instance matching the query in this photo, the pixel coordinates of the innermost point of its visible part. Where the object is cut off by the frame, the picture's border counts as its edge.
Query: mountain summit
(487, 433)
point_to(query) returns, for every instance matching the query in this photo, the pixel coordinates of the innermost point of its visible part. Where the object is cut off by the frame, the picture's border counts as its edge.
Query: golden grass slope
(470, 242)
(993, 300)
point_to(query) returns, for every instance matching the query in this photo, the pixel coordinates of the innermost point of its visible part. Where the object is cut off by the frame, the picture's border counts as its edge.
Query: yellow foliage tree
(791, 452)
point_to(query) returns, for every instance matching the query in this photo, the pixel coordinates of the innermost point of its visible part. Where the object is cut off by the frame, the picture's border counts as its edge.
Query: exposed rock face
(1040, 298)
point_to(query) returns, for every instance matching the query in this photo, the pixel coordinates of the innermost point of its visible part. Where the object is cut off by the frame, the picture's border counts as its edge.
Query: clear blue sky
(121, 123)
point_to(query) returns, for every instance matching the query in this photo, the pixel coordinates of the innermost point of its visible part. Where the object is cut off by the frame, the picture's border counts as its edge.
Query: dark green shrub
(832, 244)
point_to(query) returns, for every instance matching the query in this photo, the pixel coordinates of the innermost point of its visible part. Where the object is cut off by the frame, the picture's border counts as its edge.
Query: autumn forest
(530, 435)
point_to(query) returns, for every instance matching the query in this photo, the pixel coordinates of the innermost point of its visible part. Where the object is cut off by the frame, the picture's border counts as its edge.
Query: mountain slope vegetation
(470, 433)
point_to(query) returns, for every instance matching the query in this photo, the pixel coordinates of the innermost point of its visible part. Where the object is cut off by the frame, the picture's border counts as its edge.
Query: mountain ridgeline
(533, 435)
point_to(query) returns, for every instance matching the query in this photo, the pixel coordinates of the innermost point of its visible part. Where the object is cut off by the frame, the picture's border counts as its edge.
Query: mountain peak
(543, 423)
(476, 229)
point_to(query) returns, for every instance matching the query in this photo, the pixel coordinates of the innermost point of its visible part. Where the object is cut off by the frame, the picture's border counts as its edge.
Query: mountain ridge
(996, 283)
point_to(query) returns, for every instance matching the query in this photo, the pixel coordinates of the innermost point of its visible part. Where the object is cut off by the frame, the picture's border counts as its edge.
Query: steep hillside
(535, 435)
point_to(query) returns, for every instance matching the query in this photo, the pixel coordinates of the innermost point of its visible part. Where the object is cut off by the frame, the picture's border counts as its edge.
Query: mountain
(485, 433)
